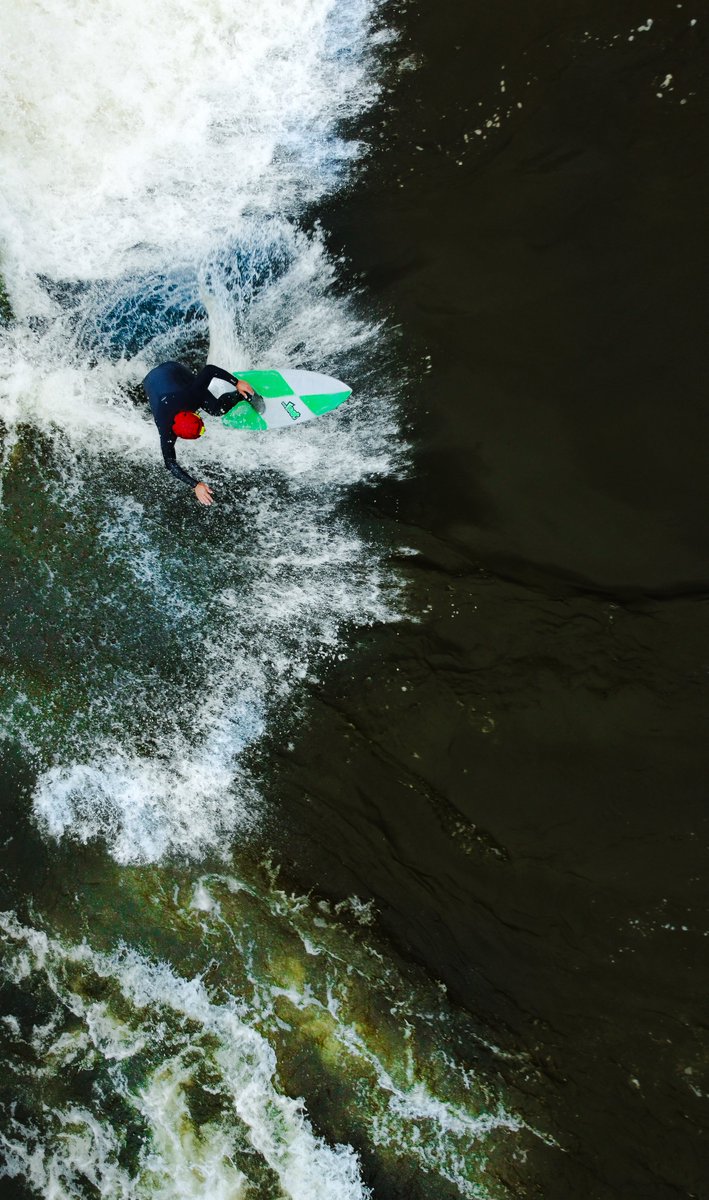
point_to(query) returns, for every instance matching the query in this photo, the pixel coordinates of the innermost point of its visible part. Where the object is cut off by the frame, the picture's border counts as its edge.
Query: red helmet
(187, 425)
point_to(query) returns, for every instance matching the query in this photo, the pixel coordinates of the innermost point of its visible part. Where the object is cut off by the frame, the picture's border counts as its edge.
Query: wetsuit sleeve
(216, 406)
(167, 445)
(208, 373)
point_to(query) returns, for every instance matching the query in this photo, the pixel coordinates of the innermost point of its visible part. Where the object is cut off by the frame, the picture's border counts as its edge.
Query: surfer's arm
(167, 446)
(208, 373)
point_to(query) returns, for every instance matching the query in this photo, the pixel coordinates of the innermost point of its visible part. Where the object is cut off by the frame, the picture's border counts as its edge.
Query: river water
(355, 828)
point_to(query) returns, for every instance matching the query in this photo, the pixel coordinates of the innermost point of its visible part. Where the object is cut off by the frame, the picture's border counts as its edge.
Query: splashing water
(154, 170)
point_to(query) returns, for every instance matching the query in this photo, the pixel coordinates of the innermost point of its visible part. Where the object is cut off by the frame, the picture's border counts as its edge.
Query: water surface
(356, 827)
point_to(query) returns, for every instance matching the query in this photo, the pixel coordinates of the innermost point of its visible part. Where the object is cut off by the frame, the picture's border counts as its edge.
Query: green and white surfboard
(290, 397)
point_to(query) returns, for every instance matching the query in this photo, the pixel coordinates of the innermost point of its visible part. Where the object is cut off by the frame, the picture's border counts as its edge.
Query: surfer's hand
(244, 388)
(204, 493)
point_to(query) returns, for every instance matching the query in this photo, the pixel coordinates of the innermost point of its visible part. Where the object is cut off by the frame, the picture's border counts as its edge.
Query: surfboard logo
(290, 408)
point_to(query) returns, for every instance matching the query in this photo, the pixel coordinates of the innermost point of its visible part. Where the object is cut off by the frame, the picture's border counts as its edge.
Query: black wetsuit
(172, 388)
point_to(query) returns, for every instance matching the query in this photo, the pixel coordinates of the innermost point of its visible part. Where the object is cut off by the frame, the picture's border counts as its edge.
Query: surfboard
(290, 397)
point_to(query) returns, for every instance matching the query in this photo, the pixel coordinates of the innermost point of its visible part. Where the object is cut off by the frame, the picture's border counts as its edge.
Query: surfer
(174, 394)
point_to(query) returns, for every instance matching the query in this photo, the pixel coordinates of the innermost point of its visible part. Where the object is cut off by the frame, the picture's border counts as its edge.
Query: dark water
(514, 772)
(522, 777)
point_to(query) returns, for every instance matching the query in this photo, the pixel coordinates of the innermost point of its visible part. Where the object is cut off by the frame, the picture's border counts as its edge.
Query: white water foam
(284, 978)
(154, 169)
(138, 135)
(177, 1161)
(418, 1101)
